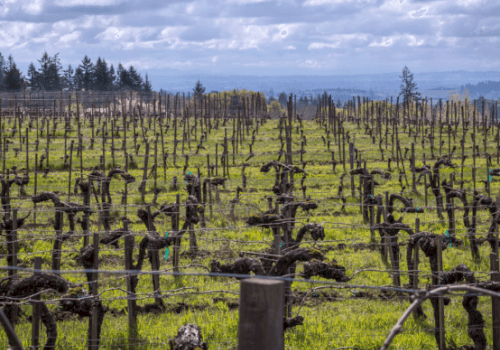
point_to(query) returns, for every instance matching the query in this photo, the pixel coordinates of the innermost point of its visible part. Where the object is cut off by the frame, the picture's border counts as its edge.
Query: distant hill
(436, 84)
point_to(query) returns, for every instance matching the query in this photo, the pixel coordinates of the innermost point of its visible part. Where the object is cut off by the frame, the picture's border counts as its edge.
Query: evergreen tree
(136, 82)
(112, 78)
(198, 90)
(69, 78)
(14, 80)
(48, 77)
(2, 72)
(123, 79)
(408, 87)
(34, 77)
(282, 99)
(147, 84)
(101, 75)
(78, 79)
(87, 68)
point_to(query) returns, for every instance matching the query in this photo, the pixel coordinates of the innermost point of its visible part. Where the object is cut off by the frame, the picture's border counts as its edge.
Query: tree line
(51, 76)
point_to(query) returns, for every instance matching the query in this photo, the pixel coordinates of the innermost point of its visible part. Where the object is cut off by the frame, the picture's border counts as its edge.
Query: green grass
(348, 321)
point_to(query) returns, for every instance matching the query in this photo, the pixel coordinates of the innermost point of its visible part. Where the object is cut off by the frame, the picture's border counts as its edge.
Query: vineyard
(129, 221)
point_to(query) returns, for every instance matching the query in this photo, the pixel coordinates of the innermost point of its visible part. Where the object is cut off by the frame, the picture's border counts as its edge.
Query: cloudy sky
(282, 37)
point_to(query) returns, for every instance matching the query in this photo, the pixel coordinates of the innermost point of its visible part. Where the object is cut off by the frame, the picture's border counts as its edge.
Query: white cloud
(244, 2)
(68, 40)
(33, 7)
(315, 46)
(18, 33)
(291, 47)
(68, 3)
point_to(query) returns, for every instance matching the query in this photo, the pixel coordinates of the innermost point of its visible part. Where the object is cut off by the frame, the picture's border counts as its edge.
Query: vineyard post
(47, 149)
(113, 126)
(9, 330)
(216, 159)
(36, 185)
(175, 228)
(397, 153)
(372, 210)
(440, 298)
(94, 341)
(4, 153)
(70, 166)
(383, 239)
(425, 185)
(414, 188)
(35, 320)
(145, 173)
(156, 162)
(86, 215)
(261, 308)
(474, 146)
(131, 302)
(12, 242)
(395, 270)
(415, 258)
(343, 148)
(495, 302)
(277, 236)
(27, 157)
(351, 162)
(487, 182)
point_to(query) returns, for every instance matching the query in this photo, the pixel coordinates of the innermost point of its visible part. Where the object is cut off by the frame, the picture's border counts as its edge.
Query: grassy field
(334, 317)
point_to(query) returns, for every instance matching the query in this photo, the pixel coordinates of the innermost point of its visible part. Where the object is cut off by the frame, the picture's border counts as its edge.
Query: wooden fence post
(495, 302)
(145, 173)
(177, 241)
(94, 341)
(35, 319)
(261, 315)
(441, 343)
(11, 333)
(131, 302)
(12, 242)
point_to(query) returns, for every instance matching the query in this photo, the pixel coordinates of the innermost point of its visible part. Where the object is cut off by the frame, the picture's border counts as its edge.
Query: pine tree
(408, 87)
(87, 68)
(112, 78)
(122, 78)
(34, 77)
(135, 79)
(78, 79)
(69, 78)
(2, 72)
(282, 99)
(147, 84)
(101, 78)
(198, 90)
(48, 77)
(14, 79)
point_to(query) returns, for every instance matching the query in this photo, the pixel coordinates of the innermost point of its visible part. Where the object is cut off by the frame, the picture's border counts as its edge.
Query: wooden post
(70, 166)
(12, 241)
(131, 302)
(11, 333)
(35, 319)
(415, 258)
(177, 242)
(440, 298)
(94, 341)
(261, 315)
(36, 185)
(495, 302)
(145, 174)
(414, 188)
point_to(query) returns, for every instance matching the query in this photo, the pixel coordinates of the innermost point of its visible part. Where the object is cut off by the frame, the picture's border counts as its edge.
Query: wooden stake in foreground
(261, 315)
